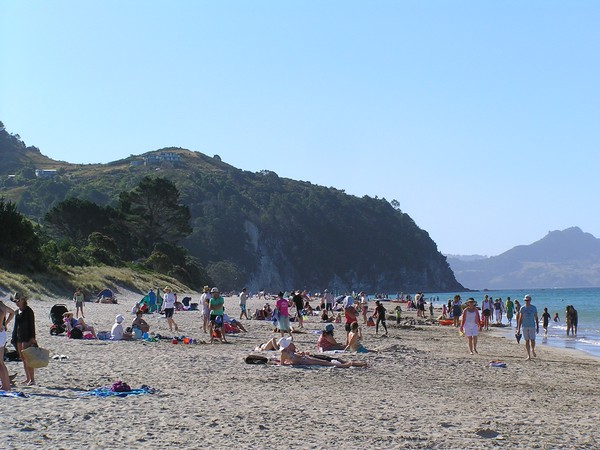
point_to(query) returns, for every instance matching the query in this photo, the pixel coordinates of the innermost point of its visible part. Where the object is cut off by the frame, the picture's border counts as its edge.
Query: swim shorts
(528, 333)
(169, 312)
(284, 323)
(2, 338)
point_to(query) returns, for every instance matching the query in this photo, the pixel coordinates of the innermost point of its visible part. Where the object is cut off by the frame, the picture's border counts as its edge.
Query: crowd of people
(294, 307)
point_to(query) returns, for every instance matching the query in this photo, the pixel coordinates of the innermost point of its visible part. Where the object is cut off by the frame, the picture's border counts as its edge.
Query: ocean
(585, 300)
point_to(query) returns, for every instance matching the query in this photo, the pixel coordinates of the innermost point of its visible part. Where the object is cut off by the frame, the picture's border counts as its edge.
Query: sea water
(585, 300)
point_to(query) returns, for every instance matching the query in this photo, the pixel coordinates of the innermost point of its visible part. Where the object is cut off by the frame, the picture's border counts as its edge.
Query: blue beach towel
(107, 391)
(13, 394)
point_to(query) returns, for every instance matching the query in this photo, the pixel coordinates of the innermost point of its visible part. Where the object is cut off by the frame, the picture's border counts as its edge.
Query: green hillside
(254, 229)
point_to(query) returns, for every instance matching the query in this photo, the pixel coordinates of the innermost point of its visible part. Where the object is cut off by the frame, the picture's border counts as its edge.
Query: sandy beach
(422, 390)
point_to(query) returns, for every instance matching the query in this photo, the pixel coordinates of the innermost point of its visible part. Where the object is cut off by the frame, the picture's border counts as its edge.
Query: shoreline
(421, 390)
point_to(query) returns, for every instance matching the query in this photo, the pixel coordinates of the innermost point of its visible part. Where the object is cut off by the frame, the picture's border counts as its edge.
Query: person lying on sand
(290, 357)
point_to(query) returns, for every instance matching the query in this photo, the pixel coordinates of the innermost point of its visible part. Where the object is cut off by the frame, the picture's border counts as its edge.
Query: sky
(480, 118)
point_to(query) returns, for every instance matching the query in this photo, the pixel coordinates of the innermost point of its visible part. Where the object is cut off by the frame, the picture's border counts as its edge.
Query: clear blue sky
(481, 118)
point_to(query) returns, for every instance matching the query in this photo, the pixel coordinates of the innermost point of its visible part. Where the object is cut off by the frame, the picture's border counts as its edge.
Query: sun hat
(527, 297)
(284, 342)
(470, 300)
(215, 289)
(119, 318)
(329, 328)
(18, 296)
(206, 288)
(167, 288)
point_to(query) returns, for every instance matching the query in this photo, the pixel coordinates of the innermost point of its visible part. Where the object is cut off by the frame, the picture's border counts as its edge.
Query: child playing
(545, 319)
(398, 310)
(380, 314)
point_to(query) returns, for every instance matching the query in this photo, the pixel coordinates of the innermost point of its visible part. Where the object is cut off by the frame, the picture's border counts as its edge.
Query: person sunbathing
(140, 323)
(70, 323)
(354, 338)
(290, 357)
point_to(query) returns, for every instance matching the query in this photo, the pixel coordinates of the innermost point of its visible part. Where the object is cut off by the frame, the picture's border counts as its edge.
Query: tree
(154, 211)
(19, 242)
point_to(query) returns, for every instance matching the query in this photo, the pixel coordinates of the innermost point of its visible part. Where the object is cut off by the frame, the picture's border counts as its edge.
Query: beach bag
(36, 357)
(370, 322)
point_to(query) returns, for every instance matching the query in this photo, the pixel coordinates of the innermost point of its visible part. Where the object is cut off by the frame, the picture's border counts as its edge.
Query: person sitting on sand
(140, 324)
(234, 322)
(354, 338)
(290, 357)
(70, 323)
(325, 317)
(117, 333)
(326, 341)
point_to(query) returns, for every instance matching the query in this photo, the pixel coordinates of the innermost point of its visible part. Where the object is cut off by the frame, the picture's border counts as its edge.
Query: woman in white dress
(470, 324)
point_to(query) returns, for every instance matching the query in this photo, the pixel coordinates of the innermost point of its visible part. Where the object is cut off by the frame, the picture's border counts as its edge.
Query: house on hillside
(162, 157)
(45, 173)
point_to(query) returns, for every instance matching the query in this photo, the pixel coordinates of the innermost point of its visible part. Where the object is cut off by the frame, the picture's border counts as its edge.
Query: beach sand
(422, 390)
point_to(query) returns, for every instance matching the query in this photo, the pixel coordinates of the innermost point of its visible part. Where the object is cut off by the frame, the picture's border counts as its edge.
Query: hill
(562, 259)
(254, 229)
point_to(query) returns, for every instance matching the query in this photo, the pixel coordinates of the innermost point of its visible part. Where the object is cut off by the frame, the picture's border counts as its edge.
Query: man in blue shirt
(527, 320)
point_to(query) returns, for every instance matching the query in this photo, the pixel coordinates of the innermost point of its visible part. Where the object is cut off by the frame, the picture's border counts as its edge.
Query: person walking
(456, 310)
(510, 308)
(528, 322)
(23, 335)
(470, 324)
(243, 300)
(168, 307)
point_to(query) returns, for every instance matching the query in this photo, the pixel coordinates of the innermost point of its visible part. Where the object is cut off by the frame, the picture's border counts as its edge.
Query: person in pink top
(283, 315)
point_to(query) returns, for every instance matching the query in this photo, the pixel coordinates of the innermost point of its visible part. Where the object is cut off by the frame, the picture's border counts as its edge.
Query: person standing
(204, 301)
(486, 308)
(364, 306)
(24, 333)
(528, 322)
(498, 306)
(510, 308)
(283, 315)
(470, 324)
(6, 315)
(243, 300)
(328, 300)
(151, 301)
(299, 303)
(350, 314)
(78, 299)
(456, 310)
(380, 314)
(168, 307)
(216, 306)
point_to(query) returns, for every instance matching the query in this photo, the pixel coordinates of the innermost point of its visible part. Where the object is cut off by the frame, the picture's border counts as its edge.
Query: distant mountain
(253, 229)
(562, 259)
